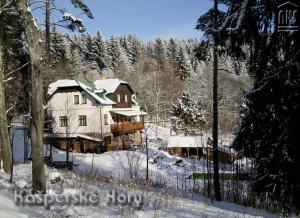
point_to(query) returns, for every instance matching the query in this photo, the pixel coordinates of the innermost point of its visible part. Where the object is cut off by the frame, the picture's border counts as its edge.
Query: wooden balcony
(126, 127)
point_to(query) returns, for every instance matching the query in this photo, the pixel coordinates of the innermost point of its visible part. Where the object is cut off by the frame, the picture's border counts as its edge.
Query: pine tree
(160, 53)
(119, 60)
(77, 59)
(88, 48)
(11, 49)
(57, 46)
(269, 129)
(184, 64)
(134, 50)
(172, 51)
(209, 24)
(100, 50)
(186, 114)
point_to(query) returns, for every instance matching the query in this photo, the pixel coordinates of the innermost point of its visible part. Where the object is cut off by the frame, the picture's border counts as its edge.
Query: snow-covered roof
(183, 142)
(74, 135)
(73, 83)
(110, 85)
(61, 83)
(129, 113)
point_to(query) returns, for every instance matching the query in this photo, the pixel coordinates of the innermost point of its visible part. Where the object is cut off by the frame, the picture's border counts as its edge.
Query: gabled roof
(74, 83)
(61, 83)
(110, 85)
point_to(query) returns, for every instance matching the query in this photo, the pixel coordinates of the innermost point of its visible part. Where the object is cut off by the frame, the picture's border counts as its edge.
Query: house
(190, 147)
(93, 116)
(185, 146)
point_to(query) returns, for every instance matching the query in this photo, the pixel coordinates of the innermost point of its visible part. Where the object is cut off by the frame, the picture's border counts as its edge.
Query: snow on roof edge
(71, 83)
(110, 85)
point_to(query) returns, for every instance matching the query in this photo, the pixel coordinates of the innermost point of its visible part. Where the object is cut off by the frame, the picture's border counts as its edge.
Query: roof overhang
(72, 135)
(129, 113)
(65, 84)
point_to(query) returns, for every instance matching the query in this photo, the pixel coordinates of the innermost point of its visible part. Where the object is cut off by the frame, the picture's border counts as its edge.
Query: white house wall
(62, 104)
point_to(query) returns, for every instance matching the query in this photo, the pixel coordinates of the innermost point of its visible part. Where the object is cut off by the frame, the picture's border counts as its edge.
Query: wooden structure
(127, 127)
(122, 96)
(184, 146)
(223, 156)
(189, 147)
(77, 143)
(189, 152)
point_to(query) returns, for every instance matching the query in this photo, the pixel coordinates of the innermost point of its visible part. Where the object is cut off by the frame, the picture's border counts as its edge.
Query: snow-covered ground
(168, 195)
(156, 204)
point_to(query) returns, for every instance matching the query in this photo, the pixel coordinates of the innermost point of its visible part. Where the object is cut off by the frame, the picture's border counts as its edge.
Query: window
(105, 119)
(119, 97)
(83, 99)
(126, 98)
(76, 99)
(63, 121)
(82, 120)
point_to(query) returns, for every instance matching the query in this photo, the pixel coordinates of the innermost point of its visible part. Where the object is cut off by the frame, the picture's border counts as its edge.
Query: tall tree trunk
(1, 67)
(5, 148)
(215, 106)
(47, 77)
(37, 109)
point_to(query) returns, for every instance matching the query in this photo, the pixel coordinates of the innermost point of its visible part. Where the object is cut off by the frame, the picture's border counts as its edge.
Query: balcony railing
(126, 127)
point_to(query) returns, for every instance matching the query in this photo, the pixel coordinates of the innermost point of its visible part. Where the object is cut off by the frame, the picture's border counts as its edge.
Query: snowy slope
(156, 204)
(111, 171)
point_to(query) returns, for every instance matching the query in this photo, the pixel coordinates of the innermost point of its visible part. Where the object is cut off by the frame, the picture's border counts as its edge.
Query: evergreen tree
(134, 50)
(57, 46)
(160, 53)
(270, 116)
(100, 51)
(88, 48)
(186, 114)
(118, 57)
(172, 51)
(77, 56)
(209, 23)
(184, 64)
(190, 47)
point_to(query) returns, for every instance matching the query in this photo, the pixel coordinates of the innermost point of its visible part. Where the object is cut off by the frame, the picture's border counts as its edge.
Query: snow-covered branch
(4, 6)
(240, 17)
(9, 109)
(8, 79)
(10, 73)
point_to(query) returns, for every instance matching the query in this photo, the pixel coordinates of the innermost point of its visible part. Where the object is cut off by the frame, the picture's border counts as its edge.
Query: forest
(239, 80)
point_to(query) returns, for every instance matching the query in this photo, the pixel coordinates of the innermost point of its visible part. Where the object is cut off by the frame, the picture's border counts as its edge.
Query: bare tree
(37, 109)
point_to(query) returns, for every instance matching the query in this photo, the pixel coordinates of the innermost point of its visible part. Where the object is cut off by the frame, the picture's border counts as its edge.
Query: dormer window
(119, 98)
(76, 99)
(83, 99)
(126, 98)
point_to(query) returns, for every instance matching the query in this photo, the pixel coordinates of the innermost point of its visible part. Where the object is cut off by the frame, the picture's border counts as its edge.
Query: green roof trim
(89, 83)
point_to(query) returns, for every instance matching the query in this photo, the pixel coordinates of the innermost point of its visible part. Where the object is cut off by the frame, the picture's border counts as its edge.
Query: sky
(149, 19)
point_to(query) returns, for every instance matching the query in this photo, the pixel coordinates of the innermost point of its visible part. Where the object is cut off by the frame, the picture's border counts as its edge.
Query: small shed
(185, 146)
